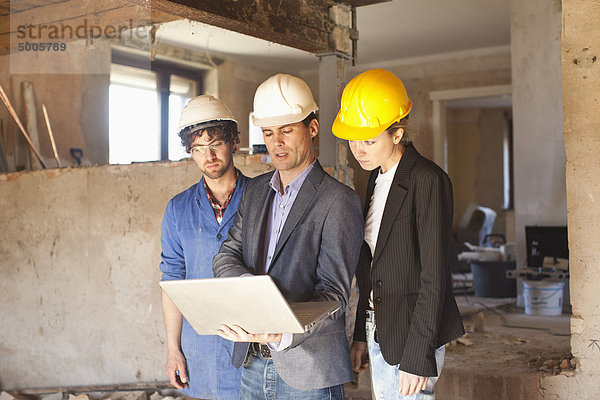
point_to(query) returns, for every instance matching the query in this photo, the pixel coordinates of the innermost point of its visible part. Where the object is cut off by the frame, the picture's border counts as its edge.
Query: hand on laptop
(236, 333)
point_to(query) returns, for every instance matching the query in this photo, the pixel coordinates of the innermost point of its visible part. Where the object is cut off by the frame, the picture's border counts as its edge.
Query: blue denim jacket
(190, 238)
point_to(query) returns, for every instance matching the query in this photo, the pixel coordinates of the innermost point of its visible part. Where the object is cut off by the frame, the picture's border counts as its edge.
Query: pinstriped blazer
(415, 310)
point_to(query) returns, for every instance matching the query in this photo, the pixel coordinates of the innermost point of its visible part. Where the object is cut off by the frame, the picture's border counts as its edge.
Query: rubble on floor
(103, 395)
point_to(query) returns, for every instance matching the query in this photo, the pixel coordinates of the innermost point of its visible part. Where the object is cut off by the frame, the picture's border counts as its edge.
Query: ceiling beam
(302, 24)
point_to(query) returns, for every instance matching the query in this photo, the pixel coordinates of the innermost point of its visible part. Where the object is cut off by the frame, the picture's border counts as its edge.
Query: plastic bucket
(543, 297)
(489, 279)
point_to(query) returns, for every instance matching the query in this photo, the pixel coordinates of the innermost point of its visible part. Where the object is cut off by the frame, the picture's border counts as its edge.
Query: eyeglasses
(212, 147)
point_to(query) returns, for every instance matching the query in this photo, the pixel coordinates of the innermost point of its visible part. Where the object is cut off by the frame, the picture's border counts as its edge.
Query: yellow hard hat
(371, 102)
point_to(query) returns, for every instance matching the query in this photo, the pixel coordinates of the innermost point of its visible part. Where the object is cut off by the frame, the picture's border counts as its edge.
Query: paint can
(543, 297)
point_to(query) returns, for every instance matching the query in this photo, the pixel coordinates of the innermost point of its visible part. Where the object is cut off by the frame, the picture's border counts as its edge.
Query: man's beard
(216, 174)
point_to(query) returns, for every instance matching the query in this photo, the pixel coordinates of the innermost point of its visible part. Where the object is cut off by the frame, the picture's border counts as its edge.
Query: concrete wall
(580, 83)
(79, 255)
(539, 153)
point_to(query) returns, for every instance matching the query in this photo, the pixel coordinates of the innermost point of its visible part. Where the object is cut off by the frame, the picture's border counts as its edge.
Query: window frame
(163, 69)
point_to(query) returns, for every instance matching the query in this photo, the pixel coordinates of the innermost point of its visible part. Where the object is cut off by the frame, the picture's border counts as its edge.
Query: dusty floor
(510, 338)
(506, 340)
(500, 339)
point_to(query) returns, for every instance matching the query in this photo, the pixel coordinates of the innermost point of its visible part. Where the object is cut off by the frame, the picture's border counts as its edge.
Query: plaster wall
(79, 255)
(581, 104)
(539, 153)
(475, 163)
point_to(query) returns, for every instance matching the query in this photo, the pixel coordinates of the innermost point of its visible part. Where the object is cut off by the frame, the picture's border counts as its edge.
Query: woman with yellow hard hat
(406, 310)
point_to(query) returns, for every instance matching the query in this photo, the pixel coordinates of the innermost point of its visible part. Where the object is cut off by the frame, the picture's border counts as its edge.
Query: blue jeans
(384, 376)
(261, 381)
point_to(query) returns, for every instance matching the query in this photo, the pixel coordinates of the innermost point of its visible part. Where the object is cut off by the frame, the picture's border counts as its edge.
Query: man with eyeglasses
(195, 224)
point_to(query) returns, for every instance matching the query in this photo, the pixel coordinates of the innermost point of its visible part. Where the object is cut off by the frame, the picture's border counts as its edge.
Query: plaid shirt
(218, 209)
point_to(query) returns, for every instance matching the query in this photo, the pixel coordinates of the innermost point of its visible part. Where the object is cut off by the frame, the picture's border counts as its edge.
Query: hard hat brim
(282, 119)
(349, 132)
(207, 124)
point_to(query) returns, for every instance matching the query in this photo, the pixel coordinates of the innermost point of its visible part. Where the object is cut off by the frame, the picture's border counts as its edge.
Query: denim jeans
(261, 381)
(384, 376)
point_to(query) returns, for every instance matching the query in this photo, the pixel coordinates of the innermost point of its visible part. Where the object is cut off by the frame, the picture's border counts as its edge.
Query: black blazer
(415, 310)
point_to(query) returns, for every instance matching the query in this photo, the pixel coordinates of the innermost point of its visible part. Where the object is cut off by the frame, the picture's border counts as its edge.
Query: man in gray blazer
(305, 230)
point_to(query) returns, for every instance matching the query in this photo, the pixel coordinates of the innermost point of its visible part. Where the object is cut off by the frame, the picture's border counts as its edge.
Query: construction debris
(135, 395)
(80, 397)
(464, 341)
(479, 324)
(102, 395)
(554, 366)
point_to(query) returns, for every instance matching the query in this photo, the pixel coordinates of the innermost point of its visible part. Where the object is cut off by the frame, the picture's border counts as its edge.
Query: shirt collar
(296, 184)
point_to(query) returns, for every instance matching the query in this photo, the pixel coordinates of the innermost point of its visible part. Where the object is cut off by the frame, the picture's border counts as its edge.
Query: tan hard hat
(282, 99)
(203, 109)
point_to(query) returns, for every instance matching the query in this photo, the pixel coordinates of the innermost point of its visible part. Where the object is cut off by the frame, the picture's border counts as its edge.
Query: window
(144, 109)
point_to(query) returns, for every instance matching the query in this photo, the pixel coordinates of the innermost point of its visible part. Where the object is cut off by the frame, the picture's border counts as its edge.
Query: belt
(260, 350)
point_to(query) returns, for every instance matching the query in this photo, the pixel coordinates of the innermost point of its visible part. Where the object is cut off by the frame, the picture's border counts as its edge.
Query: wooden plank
(13, 113)
(51, 135)
(31, 124)
(361, 3)
(96, 388)
(3, 160)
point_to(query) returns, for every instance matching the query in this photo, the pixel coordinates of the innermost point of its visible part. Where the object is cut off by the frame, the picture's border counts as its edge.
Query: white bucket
(543, 297)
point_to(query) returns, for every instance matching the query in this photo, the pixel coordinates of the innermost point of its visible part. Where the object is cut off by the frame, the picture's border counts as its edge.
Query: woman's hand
(410, 384)
(359, 356)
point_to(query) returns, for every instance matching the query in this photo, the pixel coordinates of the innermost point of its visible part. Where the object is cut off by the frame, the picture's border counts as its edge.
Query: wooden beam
(302, 24)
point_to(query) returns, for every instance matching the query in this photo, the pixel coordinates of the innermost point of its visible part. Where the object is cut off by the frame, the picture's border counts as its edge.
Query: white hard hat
(204, 108)
(282, 99)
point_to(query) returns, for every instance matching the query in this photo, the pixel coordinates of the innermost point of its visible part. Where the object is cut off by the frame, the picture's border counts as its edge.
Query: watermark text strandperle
(59, 32)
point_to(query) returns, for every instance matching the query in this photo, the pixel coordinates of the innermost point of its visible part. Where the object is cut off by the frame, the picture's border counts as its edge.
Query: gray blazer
(315, 259)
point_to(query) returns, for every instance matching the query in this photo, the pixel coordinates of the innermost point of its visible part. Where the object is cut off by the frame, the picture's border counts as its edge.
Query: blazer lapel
(370, 189)
(258, 218)
(395, 198)
(304, 198)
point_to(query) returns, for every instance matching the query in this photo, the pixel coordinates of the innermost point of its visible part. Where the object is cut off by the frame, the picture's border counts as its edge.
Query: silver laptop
(252, 302)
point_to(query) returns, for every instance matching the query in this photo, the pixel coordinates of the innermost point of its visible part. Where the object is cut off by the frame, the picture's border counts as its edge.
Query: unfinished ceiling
(388, 31)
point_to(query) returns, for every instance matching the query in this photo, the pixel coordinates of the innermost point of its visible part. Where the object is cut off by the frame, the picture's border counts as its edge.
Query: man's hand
(236, 333)
(359, 356)
(410, 384)
(176, 363)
